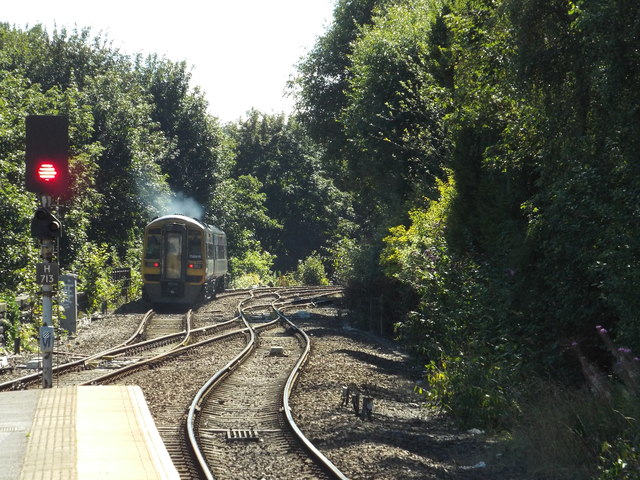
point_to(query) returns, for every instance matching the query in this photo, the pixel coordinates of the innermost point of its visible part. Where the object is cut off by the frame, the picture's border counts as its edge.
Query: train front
(174, 264)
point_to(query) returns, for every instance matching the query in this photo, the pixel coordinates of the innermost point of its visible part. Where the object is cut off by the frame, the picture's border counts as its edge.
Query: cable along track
(239, 424)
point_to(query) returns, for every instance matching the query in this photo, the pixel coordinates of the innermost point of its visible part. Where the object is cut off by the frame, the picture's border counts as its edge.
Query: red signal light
(47, 172)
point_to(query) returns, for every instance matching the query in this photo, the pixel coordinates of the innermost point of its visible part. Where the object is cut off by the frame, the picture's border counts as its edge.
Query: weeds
(591, 433)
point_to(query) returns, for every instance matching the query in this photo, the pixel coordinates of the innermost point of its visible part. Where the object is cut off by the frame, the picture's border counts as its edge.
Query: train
(184, 260)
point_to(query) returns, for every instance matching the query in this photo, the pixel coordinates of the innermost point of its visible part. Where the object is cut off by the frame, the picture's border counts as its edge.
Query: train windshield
(173, 258)
(195, 245)
(154, 243)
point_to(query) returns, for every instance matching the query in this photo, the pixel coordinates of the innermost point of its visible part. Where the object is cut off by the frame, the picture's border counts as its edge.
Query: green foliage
(198, 156)
(132, 122)
(394, 118)
(93, 267)
(343, 256)
(566, 433)
(323, 80)
(474, 389)
(311, 271)
(12, 324)
(414, 255)
(238, 208)
(253, 268)
(493, 143)
(297, 196)
(419, 257)
(529, 110)
(17, 99)
(620, 461)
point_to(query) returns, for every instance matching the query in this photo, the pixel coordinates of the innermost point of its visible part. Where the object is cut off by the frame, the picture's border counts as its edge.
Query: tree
(199, 157)
(129, 173)
(238, 208)
(323, 80)
(297, 194)
(394, 117)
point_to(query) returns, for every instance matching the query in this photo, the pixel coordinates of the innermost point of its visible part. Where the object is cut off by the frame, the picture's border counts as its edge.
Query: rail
(200, 396)
(317, 454)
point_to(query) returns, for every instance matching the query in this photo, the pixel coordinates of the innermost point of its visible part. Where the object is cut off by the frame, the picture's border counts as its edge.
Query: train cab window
(153, 247)
(195, 245)
(173, 264)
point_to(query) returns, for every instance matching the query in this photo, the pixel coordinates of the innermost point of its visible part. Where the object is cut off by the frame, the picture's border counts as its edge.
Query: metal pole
(47, 309)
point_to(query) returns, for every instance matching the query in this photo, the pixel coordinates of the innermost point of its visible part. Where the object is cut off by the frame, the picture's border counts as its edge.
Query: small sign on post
(46, 339)
(47, 273)
(69, 303)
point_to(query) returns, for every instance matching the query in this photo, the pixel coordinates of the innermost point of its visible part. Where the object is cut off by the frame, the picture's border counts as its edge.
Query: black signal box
(45, 224)
(47, 155)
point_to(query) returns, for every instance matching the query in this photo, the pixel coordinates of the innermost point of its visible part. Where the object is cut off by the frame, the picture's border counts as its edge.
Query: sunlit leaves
(395, 110)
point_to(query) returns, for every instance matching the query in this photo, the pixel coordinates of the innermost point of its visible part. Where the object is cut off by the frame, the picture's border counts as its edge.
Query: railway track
(79, 364)
(239, 424)
(169, 384)
(402, 440)
(161, 334)
(180, 359)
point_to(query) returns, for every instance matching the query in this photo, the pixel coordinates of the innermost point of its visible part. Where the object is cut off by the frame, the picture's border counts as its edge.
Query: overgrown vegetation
(466, 168)
(490, 150)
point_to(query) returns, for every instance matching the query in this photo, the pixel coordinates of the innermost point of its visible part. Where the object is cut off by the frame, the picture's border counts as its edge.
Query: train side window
(211, 251)
(195, 246)
(221, 251)
(153, 246)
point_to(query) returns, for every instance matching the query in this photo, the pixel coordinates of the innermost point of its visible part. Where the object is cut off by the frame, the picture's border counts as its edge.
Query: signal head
(45, 224)
(47, 155)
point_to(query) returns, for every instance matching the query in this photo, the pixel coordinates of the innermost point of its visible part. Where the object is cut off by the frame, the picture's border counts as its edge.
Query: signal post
(47, 174)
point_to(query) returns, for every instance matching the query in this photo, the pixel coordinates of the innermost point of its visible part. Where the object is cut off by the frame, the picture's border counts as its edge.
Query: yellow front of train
(182, 260)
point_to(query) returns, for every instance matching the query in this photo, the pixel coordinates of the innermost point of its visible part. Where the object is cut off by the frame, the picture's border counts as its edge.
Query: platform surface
(88, 432)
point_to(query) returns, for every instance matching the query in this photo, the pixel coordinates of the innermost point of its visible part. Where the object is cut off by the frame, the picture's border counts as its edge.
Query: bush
(94, 265)
(246, 280)
(582, 433)
(620, 461)
(254, 268)
(472, 390)
(566, 433)
(14, 328)
(311, 271)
